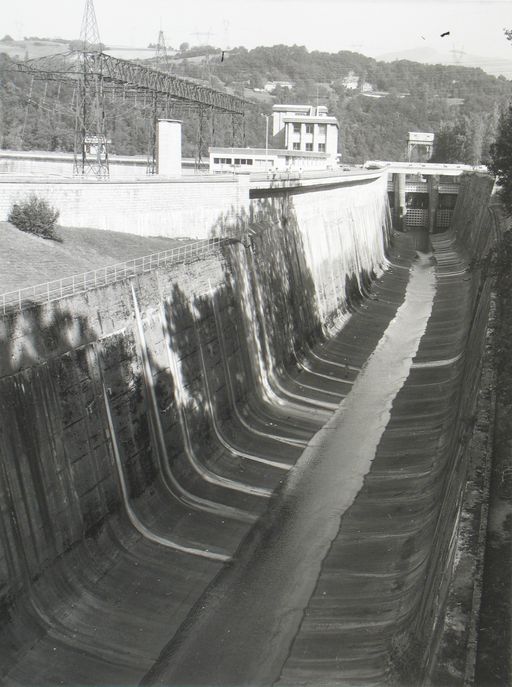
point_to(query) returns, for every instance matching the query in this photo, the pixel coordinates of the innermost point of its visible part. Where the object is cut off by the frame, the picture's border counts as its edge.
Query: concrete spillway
(248, 471)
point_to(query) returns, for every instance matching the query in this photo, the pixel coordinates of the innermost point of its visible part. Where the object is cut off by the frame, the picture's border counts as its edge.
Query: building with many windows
(303, 137)
(254, 160)
(307, 129)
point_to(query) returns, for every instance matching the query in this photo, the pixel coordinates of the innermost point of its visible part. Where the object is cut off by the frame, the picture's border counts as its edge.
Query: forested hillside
(460, 105)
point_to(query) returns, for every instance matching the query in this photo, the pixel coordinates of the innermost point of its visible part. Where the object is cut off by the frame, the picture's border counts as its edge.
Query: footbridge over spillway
(253, 467)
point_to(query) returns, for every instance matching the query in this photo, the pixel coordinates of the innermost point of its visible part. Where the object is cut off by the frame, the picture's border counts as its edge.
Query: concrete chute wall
(153, 405)
(165, 410)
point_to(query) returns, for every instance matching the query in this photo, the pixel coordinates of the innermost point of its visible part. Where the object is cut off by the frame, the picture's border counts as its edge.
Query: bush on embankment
(35, 216)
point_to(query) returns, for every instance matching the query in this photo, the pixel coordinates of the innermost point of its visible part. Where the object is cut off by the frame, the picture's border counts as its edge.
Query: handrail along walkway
(21, 299)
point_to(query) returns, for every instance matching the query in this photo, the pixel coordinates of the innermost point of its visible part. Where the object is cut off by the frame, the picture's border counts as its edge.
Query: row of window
(230, 161)
(309, 146)
(297, 128)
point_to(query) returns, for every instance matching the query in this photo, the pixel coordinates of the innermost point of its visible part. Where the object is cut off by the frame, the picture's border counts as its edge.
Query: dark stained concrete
(363, 623)
(255, 607)
(326, 587)
(104, 613)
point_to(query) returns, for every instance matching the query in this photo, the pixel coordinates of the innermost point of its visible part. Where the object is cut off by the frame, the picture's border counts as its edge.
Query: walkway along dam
(257, 467)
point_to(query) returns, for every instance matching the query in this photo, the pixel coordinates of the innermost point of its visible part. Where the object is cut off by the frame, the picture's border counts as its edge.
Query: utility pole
(266, 139)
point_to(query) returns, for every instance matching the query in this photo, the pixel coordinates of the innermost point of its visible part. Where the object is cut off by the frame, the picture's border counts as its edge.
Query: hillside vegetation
(460, 105)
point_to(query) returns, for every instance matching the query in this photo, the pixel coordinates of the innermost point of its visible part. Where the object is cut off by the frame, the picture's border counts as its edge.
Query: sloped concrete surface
(245, 472)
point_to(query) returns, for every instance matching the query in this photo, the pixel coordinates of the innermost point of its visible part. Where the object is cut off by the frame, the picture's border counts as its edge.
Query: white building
(271, 86)
(253, 160)
(351, 81)
(307, 129)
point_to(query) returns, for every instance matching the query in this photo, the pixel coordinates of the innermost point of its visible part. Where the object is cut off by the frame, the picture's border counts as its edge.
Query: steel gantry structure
(97, 75)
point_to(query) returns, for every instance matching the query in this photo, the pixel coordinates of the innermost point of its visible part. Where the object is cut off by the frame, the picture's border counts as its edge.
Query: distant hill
(33, 48)
(429, 55)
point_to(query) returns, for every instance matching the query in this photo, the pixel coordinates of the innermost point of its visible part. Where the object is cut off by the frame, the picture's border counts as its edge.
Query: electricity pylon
(91, 143)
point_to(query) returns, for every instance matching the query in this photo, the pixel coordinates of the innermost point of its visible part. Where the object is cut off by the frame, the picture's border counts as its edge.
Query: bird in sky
(446, 33)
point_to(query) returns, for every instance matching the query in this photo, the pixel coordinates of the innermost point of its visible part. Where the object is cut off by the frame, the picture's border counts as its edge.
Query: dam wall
(324, 227)
(125, 445)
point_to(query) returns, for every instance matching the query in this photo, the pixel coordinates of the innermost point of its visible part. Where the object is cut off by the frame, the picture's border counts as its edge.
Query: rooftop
(278, 152)
(320, 119)
(290, 108)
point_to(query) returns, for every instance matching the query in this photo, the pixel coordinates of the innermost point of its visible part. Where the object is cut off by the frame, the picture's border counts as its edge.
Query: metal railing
(21, 299)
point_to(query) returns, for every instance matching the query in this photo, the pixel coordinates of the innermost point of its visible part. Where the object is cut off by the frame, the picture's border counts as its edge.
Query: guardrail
(21, 299)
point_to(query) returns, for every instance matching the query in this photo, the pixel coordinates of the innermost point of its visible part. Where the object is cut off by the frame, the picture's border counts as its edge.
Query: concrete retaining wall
(16, 163)
(186, 207)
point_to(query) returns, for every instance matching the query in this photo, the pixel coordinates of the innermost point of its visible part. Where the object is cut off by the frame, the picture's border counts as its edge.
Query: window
(237, 160)
(296, 128)
(321, 147)
(309, 146)
(249, 162)
(309, 128)
(322, 128)
(216, 160)
(296, 146)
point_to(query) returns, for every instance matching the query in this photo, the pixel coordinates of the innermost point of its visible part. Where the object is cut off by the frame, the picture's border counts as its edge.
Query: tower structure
(420, 146)
(161, 55)
(162, 63)
(91, 143)
(89, 32)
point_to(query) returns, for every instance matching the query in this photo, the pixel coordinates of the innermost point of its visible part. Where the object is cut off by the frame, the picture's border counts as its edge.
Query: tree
(449, 144)
(501, 158)
(35, 216)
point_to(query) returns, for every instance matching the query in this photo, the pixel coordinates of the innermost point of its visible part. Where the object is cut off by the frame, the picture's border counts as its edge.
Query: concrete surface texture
(181, 207)
(248, 469)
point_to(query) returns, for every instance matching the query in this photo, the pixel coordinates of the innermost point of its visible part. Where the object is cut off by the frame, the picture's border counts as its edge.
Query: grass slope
(26, 260)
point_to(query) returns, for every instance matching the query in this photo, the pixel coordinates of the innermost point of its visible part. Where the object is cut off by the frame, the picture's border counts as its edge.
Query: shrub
(36, 216)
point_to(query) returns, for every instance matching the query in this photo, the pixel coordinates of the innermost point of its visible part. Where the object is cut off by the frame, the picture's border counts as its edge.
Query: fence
(79, 283)
(416, 217)
(443, 219)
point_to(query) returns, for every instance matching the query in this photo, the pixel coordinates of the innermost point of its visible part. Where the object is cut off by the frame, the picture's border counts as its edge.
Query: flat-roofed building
(307, 129)
(253, 160)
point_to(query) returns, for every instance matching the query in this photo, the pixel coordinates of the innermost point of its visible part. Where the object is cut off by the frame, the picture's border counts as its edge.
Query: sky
(372, 27)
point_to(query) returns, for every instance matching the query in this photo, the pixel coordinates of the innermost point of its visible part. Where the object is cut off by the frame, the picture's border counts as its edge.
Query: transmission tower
(89, 32)
(91, 143)
(458, 54)
(161, 56)
(162, 63)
